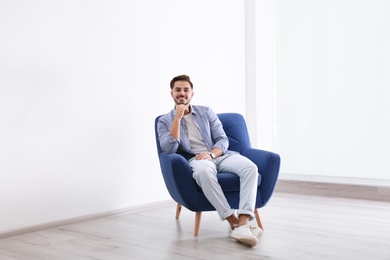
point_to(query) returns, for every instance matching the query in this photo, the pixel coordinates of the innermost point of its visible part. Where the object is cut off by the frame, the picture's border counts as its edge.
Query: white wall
(80, 85)
(323, 69)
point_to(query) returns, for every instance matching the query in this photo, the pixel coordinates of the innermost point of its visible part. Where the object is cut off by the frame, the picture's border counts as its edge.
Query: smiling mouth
(180, 101)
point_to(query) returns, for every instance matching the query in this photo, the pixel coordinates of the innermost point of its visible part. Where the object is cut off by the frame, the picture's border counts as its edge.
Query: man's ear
(171, 94)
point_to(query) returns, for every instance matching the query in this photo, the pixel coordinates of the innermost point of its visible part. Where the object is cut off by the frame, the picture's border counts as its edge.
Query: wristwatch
(212, 155)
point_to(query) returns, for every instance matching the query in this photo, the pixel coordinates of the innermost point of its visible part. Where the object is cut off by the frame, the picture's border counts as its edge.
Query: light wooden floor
(296, 227)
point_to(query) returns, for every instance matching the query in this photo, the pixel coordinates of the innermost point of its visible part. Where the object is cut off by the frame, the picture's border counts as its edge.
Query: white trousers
(205, 173)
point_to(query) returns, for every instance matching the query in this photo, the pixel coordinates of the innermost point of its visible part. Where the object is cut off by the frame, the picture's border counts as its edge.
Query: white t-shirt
(198, 145)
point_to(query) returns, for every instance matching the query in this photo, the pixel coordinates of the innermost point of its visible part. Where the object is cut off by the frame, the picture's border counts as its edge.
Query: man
(197, 133)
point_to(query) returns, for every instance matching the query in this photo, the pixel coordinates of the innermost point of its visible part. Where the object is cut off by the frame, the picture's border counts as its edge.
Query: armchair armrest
(178, 178)
(268, 164)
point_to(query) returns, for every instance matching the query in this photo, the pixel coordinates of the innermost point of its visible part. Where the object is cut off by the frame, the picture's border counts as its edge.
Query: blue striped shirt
(208, 123)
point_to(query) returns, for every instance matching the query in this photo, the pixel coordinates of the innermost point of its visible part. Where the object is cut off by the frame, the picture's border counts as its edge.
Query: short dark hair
(181, 78)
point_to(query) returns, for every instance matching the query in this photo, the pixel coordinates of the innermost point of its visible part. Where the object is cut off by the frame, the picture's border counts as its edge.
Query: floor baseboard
(53, 224)
(331, 189)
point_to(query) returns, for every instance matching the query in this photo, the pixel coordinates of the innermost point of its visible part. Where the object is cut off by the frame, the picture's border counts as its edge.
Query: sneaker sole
(246, 240)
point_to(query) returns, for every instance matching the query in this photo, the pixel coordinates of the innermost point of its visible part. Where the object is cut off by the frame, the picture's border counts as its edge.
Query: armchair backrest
(159, 150)
(235, 129)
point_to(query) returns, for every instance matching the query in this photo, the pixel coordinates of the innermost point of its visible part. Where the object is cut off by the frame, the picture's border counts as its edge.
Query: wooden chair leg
(258, 219)
(197, 223)
(178, 210)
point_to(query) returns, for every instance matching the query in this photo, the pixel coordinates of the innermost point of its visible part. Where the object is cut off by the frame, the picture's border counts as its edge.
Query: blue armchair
(183, 189)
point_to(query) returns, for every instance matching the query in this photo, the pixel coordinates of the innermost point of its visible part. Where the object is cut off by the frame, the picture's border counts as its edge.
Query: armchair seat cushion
(230, 182)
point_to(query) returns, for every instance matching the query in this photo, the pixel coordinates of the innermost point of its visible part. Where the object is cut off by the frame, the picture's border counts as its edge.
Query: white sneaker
(244, 235)
(255, 230)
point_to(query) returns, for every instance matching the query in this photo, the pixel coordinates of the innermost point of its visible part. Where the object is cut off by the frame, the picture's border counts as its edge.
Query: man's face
(182, 92)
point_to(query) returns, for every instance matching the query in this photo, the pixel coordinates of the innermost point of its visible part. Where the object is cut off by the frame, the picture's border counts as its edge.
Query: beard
(184, 102)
